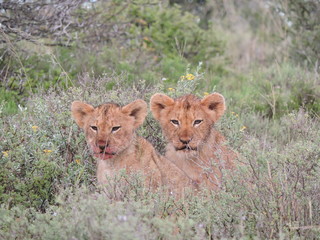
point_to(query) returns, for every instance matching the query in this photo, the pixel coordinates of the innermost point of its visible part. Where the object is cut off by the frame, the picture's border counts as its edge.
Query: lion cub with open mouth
(193, 143)
(110, 134)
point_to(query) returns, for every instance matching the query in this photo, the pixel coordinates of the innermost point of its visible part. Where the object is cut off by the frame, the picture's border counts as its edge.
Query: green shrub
(272, 194)
(38, 155)
(287, 88)
(273, 91)
(29, 72)
(170, 32)
(305, 31)
(52, 194)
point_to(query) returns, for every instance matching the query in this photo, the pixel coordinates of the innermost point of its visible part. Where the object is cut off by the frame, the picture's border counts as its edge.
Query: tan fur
(193, 143)
(110, 134)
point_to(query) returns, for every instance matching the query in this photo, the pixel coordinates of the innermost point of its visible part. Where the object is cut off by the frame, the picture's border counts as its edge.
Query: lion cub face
(109, 128)
(187, 121)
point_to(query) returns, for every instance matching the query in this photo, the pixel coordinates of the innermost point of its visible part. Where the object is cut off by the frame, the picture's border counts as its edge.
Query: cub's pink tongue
(106, 154)
(108, 150)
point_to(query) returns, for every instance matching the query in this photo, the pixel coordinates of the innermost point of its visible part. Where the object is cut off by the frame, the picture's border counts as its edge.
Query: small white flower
(122, 218)
(22, 108)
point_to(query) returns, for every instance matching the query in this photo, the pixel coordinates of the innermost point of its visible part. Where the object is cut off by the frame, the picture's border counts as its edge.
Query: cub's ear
(80, 111)
(158, 102)
(214, 105)
(137, 109)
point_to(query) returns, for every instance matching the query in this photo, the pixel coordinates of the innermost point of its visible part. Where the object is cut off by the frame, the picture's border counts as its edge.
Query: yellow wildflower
(47, 150)
(171, 89)
(5, 153)
(182, 78)
(190, 76)
(78, 161)
(141, 22)
(205, 94)
(242, 128)
(35, 128)
(147, 39)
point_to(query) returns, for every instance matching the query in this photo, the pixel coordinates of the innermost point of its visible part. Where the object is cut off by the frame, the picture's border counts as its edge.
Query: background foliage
(263, 56)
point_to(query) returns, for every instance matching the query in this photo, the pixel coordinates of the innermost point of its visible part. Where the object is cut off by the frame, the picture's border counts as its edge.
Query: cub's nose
(102, 148)
(102, 145)
(185, 140)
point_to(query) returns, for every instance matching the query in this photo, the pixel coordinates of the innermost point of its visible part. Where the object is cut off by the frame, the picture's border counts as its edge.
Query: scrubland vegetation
(263, 56)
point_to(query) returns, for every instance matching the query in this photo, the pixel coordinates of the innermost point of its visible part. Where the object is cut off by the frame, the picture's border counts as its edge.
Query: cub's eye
(94, 128)
(197, 122)
(175, 122)
(114, 129)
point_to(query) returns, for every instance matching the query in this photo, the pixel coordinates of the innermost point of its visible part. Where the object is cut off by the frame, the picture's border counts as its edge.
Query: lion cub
(110, 134)
(193, 143)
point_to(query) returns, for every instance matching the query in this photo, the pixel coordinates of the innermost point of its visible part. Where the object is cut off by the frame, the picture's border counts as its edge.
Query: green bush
(48, 183)
(272, 194)
(29, 72)
(171, 32)
(305, 30)
(37, 158)
(274, 91)
(287, 88)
